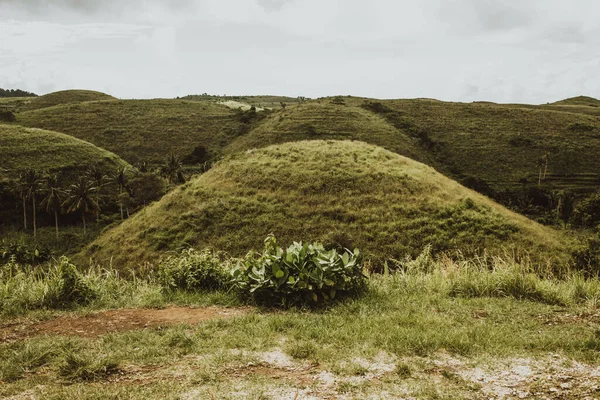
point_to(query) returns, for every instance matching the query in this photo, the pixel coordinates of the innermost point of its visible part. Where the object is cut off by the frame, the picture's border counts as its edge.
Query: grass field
(340, 192)
(142, 130)
(441, 329)
(42, 150)
(65, 97)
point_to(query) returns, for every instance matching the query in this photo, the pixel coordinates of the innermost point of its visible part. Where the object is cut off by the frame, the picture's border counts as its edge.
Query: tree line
(16, 93)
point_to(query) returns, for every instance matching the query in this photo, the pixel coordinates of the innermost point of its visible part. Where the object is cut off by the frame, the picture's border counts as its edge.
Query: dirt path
(98, 324)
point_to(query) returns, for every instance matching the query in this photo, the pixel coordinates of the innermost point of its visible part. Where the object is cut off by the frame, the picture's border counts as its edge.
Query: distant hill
(66, 97)
(579, 101)
(15, 93)
(25, 148)
(142, 130)
(342, 193)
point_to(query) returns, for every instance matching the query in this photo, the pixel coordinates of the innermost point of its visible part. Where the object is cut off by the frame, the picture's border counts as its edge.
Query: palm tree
(21, 190)
(546, 158)
(540, 165)
(100, 179)
(121, 180)
(82, 198)
(172, 168)
(32, 180)
(52, 202)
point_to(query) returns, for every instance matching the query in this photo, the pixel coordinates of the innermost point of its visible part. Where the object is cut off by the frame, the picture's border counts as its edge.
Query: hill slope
(579, 101)
(142, 130)
(66, 97)
(24, 148)
(324, 119)
(340, 192)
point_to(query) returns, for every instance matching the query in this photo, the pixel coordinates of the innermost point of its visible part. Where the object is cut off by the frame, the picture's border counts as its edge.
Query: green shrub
(70, 287)
(586, 258)
(302, 274)
(193, 270)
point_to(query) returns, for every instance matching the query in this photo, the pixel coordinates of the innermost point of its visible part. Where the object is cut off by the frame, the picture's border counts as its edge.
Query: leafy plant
(193, 270)
(70, 287)
(301, 274)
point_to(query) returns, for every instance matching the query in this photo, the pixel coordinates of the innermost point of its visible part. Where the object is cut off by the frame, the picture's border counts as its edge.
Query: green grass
(24, 148)
(142, 130)
(65, 97)
(411, 322)
(341, 193)
(579, 101)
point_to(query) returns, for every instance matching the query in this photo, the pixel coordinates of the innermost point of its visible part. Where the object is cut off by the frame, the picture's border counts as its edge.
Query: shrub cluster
(193, 270)
(301, 274)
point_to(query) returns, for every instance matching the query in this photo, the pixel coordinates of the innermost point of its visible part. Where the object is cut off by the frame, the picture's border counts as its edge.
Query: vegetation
(301, 274)
(16, 93)
(66, 97)
(192, 270)
(341, 193)
(142, 130)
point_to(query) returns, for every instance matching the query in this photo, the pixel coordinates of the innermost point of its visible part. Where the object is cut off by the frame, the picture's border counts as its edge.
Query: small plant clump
(193, 270)
(302, 274)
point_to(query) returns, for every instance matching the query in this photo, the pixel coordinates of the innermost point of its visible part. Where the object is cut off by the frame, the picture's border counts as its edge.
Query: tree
(172, 168)
(32, 181)
(540, 165)
(100, 179)
(52, 202)
(565, 206)
(81, 198)
(121, 180)
(147, 187)
(21, 191)
(546, 159)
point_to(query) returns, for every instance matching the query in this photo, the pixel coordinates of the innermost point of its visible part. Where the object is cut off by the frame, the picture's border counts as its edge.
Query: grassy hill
(324, 119)
(340, 192)
(65, 97)
(579, 101)
(142, 130)
(501, 144)
(39, 149)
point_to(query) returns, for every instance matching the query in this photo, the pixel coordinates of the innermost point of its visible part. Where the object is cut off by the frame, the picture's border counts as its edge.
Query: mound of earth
(27, 148)
(66, 97)
(341, 193)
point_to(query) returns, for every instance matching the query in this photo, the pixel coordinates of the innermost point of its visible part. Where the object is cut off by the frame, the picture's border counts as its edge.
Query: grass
(65, 97)
(142, 130)
(411, 325)
(341, 193)
(54, 152)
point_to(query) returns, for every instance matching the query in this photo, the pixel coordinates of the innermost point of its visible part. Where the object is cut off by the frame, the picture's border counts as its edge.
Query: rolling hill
(65, 97)
(142, 130)
(24, 148)
(340, 192)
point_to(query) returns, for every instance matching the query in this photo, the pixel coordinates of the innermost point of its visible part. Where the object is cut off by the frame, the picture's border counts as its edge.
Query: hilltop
(142, 130)
(343, 193)
(579, 101)
(66, 97)
(26, 148)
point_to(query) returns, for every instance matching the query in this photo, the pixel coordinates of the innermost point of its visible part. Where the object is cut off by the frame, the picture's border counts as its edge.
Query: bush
(7, 116)
(70, 287)
(302, 274)
(193, 270)
(586, 258)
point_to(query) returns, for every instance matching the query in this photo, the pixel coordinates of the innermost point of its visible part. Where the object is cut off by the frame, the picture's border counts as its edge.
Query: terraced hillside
(142, 130)
(42, 150)
(340, 192)
(65, 97)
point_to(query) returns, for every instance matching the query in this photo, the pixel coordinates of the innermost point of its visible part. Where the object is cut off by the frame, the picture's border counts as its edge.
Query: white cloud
(510, 51)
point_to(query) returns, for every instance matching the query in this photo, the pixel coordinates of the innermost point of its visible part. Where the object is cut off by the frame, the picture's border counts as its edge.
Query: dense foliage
(193, 270)
(16, 93)
(300, 274)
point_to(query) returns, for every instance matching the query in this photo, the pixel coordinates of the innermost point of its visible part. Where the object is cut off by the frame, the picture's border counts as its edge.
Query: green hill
(579, 101)
(24, 148)
(65, 97)
(142, 130)
(340, 192)
(324, 119)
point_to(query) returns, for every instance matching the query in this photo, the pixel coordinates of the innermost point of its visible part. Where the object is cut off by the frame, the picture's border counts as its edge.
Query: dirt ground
(98, 324)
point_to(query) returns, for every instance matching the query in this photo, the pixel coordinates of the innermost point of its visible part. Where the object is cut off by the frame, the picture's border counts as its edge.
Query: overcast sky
(531, 51)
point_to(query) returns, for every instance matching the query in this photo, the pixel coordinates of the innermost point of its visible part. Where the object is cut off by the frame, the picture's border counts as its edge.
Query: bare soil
(97, 324)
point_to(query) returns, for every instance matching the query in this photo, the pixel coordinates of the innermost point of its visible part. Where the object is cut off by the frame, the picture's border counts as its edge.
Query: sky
(525, 51)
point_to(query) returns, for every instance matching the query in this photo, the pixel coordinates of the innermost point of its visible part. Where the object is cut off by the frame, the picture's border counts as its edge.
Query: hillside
(340, 192)
(142, 130)
(579, 101)
(501, 144)
(24, 148)
(66, 97)
(326, 120)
